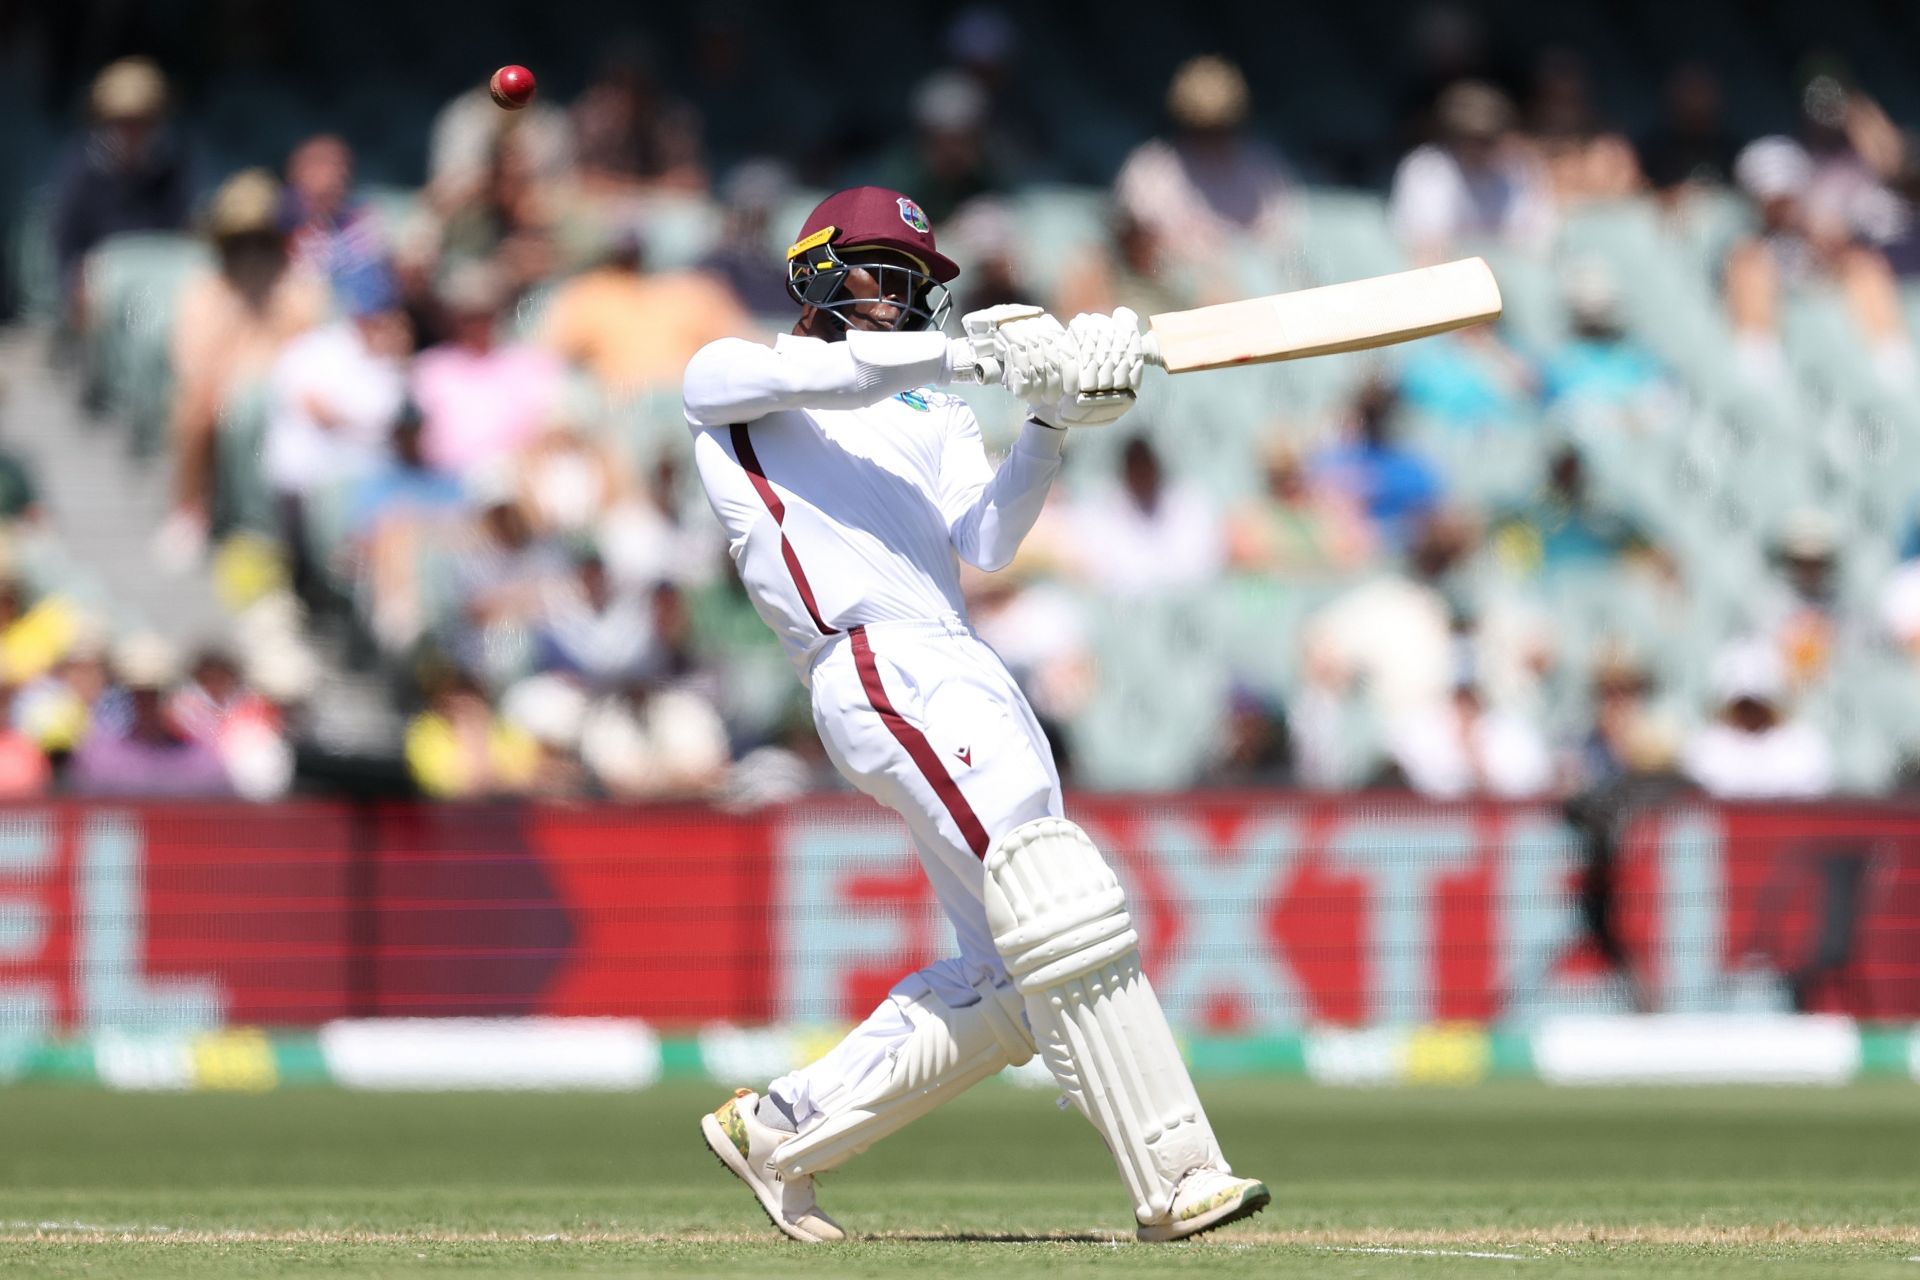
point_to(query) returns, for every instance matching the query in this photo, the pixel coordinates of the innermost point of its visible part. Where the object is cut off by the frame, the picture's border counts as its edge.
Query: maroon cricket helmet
(861, 217)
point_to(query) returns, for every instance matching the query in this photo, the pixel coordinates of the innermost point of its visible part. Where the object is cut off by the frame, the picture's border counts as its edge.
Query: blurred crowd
(439, 424)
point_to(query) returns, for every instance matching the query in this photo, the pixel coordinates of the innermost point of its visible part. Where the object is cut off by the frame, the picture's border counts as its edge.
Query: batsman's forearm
(989, 533)
(734, 380)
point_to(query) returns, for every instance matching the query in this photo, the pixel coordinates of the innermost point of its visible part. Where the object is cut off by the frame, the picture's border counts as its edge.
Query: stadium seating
(133, 283)
(31, 267)
(1711, 477)
(243, 500)
(1712, 472)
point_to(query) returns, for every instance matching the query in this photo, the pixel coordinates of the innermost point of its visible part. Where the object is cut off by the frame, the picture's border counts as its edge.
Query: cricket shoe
(743, 1143)
(1205, 1199)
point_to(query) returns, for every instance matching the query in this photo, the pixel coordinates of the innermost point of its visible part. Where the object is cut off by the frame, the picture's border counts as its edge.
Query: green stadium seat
(1059, 226)
(36, 276)
(1534, 319)
(395, 207)
(643, 427)
(1622, 234)
(1825, 347)
(1706, 226)
(1910, 305)
(1209, 426)
(1162, 686)
(133, 283)
(242, 498)
(1344, 235)
(44, 563)
(789, 216)
(677, 231)
(1257, 621)
(328, 512)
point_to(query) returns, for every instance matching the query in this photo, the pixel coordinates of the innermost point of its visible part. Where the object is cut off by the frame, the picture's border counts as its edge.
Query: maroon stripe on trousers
(917, 746)
(750, 461)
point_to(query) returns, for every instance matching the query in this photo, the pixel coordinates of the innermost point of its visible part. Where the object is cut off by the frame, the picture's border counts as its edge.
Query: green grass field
(1600, 1183)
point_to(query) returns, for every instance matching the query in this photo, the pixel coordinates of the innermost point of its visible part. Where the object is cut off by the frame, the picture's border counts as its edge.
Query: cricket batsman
(850, 488)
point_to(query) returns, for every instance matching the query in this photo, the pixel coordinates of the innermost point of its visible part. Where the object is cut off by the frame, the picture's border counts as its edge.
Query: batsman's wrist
(964, 363)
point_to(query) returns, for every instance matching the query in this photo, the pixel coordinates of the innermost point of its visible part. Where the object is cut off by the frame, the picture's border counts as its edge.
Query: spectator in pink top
(481, 399)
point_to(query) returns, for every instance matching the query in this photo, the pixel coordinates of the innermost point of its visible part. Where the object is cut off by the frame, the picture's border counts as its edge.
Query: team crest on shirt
(911, 215)
(913, 400)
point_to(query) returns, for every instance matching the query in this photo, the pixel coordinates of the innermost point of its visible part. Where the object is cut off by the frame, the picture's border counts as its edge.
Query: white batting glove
(1104, 380)
(1041, 361)
(1026, 351)
(981, 356)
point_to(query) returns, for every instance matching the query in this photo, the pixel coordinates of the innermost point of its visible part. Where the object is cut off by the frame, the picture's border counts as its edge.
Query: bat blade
(1319, 322)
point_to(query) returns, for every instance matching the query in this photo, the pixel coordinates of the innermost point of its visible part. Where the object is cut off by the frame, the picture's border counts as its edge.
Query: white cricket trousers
(926, 719)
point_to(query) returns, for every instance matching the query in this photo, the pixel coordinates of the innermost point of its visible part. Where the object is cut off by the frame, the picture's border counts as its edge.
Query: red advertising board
(1827, 898)
(1257, 911)
(159, 914)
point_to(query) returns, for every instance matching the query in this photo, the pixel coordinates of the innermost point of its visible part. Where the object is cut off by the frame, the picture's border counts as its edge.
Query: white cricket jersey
(848, 488)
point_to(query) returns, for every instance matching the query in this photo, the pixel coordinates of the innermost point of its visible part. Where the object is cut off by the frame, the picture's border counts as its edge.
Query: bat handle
(1150, 348)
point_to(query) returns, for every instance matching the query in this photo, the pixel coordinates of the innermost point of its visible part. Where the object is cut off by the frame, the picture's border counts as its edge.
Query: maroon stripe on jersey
(743, 450)
(750, 462)
(917, 746)
(792, 558)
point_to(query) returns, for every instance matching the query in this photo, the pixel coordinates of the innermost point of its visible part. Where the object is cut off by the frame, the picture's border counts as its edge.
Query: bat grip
(1150, 348)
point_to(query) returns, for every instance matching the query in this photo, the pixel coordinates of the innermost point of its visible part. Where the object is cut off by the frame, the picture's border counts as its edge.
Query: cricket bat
(1320, 322)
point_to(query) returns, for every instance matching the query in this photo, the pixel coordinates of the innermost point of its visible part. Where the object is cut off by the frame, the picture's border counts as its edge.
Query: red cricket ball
(511, 87)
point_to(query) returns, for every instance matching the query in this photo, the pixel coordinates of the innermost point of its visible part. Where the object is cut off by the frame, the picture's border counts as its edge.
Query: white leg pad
(950, 1050)
(1059, 919)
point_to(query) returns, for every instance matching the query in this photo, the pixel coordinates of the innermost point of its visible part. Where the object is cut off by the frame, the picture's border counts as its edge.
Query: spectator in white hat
(1752, 750)
(1473, 181)
(1802, 610)
(551, 709)
(1602, 370)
